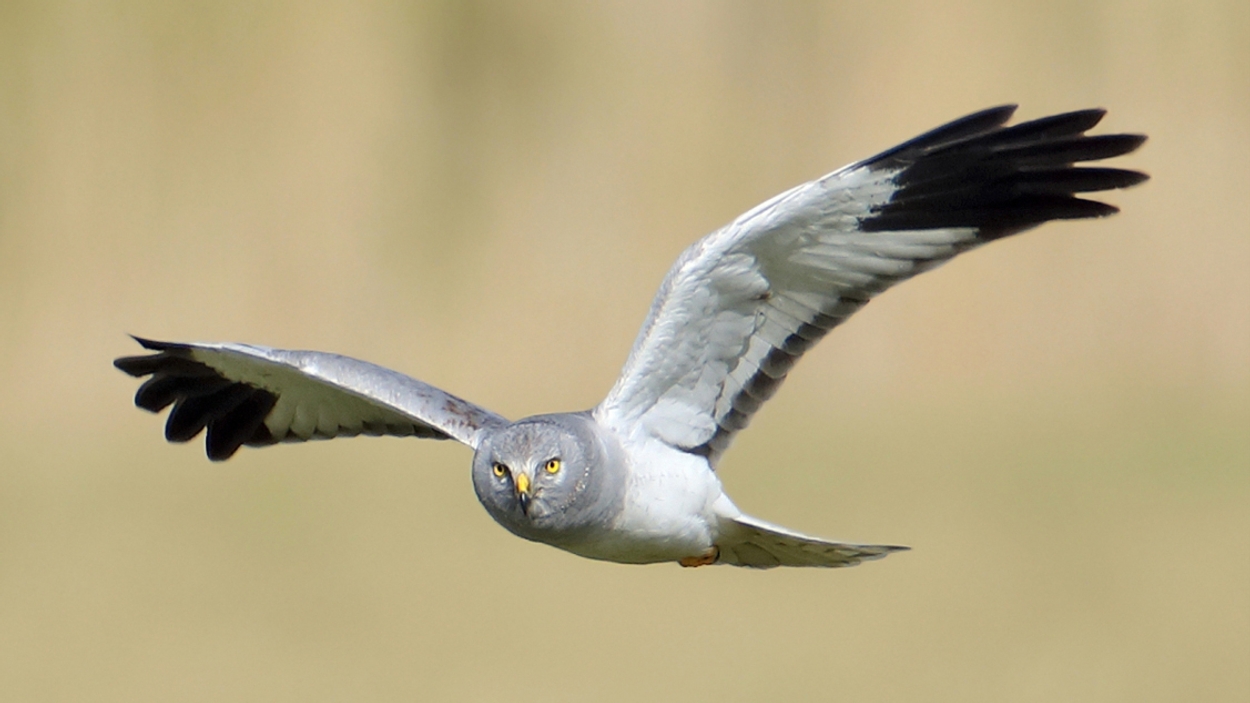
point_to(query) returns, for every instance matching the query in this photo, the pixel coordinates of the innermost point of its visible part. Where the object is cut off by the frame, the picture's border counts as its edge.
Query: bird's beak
(523, 492)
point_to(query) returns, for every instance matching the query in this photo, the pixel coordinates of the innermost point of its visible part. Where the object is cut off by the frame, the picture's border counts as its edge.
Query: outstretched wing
(256, 396)
(741, 306)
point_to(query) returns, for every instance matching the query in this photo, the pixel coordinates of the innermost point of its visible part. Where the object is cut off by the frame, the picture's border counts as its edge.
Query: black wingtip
(154, 345)
(1074, 122)
(1003, 180)
(244, 425)
(1131, 142)
(139, 366)
(957, 130)
(202, 398)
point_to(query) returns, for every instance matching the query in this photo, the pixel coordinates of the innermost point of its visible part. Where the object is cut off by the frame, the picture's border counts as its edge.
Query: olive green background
(486, 195)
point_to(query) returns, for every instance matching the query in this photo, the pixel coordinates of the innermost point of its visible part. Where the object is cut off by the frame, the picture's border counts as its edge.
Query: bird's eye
(499, 469)
(553, 466)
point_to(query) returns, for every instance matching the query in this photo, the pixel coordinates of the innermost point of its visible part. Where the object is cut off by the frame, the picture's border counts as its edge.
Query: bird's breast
(666, 513)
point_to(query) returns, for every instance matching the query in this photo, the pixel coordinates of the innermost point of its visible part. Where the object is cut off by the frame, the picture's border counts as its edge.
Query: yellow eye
(499, 469)
(553, 466)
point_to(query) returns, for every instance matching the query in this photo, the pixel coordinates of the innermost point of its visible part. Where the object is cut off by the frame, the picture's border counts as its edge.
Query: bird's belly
(643, 547)
(668, 513)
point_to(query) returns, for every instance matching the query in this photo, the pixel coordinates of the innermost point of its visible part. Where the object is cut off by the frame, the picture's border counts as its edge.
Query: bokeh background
(485, 195)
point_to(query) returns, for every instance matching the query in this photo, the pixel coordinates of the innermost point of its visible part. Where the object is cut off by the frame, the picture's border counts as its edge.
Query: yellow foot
(709, 558)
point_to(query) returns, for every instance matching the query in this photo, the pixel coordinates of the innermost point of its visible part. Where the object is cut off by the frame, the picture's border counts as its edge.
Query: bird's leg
(709, 557)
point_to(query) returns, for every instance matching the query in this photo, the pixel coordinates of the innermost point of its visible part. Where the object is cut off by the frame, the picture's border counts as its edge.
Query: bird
(633, 480)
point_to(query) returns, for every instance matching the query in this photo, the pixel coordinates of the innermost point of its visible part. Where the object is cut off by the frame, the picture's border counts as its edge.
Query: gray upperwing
(256, 396)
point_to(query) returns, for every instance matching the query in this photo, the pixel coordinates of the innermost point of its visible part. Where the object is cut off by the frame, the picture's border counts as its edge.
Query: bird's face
(541, 477)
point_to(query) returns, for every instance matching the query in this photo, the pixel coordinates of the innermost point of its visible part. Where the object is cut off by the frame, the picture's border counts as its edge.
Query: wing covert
(742, 305)
(256, 396)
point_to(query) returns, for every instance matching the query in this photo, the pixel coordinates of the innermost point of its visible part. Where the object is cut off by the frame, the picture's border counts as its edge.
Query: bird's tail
(747, 541)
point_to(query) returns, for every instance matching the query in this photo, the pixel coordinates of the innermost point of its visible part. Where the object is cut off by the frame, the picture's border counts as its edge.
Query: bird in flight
(633, 480)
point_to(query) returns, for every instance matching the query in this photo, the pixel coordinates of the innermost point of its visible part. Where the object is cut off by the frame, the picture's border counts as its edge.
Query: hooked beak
(523, 492)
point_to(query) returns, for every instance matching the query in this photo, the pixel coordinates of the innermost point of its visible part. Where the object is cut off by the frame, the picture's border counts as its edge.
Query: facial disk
(538, 477)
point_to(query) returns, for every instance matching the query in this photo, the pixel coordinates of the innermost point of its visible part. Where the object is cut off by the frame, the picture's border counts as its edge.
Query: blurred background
(485, 195)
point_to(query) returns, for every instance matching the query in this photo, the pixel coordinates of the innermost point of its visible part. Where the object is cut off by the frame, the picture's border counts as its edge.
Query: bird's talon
(709, 558)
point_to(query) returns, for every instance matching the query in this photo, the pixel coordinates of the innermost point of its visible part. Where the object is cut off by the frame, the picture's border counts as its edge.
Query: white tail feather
(747, 541)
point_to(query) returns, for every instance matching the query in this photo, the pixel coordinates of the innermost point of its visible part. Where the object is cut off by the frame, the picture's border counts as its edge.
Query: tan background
(486, 196)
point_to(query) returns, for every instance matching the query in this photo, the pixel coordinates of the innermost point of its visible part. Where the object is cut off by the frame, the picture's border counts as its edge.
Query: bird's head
(547, 477)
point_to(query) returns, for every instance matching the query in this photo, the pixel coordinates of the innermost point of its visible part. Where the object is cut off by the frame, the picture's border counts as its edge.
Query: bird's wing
(740, 306)
(255, 396)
